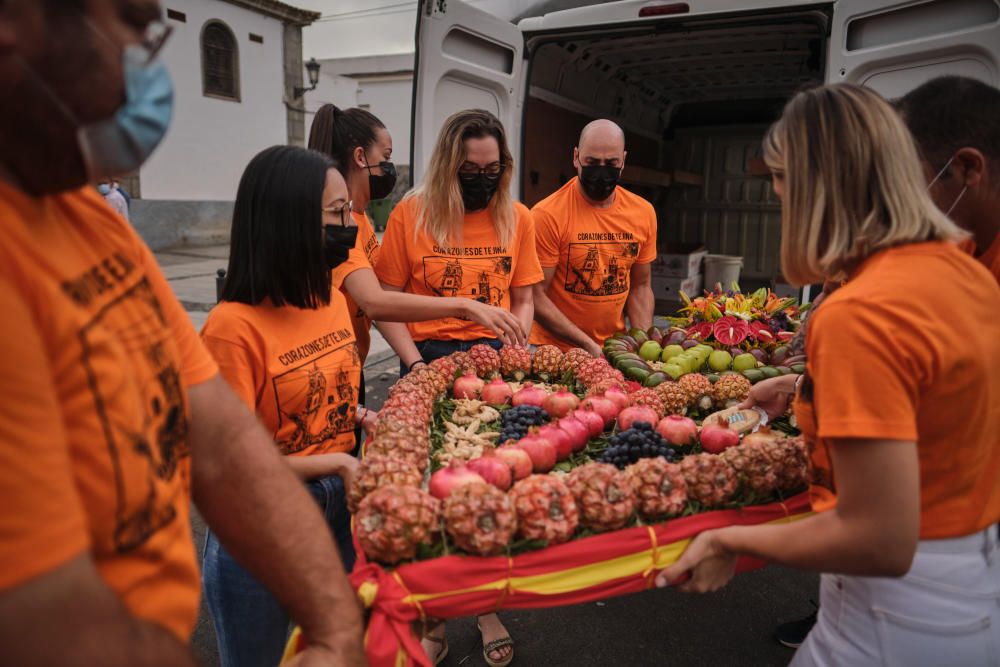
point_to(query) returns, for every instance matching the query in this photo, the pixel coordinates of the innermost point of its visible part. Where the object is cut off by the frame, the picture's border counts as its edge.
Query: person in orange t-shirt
(113, 415)
(460, 235)
(361, 146)
(955, 121)
(596, 241)
(898, 406)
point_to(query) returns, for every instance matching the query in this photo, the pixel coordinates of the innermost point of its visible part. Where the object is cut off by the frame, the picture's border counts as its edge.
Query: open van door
(893, 47)
(465, 59)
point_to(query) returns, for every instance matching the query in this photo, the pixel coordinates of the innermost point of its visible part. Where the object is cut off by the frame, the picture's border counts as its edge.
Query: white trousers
(944, 613)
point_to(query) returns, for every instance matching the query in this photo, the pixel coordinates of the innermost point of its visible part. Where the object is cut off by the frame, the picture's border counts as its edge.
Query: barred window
(220, 62)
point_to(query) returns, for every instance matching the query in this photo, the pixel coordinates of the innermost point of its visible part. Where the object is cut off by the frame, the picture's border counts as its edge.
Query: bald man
(596, 242)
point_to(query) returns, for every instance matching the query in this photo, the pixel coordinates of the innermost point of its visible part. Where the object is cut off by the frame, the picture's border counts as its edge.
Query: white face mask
(936, 178)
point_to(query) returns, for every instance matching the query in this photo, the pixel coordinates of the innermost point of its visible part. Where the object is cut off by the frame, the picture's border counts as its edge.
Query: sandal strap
(498, 644)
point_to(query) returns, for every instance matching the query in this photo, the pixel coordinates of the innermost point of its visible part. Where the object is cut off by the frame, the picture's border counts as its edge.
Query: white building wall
(211, 140)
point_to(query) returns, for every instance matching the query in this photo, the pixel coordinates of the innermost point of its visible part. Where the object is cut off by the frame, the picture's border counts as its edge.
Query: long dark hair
(337, 132)
(275, 250)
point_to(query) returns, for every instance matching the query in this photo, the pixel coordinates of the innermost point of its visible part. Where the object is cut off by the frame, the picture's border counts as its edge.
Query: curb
(378, 358)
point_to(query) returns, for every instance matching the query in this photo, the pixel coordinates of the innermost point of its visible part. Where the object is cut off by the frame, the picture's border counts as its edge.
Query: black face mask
(477, 190)
(599, 180)
(380, 185)
(337, 243)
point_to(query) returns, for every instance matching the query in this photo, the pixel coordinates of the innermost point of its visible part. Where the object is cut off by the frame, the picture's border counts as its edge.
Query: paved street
(731, 627)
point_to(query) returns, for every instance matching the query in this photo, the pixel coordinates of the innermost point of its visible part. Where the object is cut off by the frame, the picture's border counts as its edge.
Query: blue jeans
(435, 349)
(250, 624)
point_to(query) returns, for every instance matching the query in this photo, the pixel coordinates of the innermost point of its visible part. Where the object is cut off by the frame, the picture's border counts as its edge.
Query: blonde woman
(900, 404)
(461, 234)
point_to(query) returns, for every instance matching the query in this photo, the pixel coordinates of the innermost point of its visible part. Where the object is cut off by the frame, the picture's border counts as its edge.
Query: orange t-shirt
(364, 255)
(593, 251)
(297, 368)
(990, 259)
(479, 269)
(909, 349)
(95, 360)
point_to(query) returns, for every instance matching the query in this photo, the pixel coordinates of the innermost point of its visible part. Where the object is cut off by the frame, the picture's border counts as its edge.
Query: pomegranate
(541, 451)
(591, 419)
(468, 385)
(529, 394)
(716, 438)
(558, 438)
(636, 413)
(617, 396)
(679, 431)
(577, 430)
(447, 479)
(603, 406)
(492, 468)
(560, 403)
(497, 392)
(517, 459)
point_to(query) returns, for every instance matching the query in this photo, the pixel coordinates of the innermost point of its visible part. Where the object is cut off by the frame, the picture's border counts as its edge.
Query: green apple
(650, 350)
(744, 362)
(673, 370)
(671, 351)
(720, 360)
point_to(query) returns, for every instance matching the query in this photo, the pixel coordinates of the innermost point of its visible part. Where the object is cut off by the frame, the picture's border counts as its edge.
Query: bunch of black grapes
(639, 442)
(517, 421)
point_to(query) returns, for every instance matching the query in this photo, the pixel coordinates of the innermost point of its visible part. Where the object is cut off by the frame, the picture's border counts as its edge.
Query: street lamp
(312, 69)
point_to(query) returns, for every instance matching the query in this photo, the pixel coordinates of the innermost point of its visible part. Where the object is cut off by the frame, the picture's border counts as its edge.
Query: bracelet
(418, 361)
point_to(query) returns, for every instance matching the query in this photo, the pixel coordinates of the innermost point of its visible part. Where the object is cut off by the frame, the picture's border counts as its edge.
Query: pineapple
(545, 509)
(650, 398)
(406, 415)
(572, 360)
(378, 470)
(789, 461)
(699, 391)
(752, 466)
(485, 359)
(659, 488)
(548, 359)
(674, 397)
(446, 366)
(428, 381)
(730, 390)
(603, 496)
(394, 520)
(401, 446)
(462, 361)
(602, 386)
(480, 518)
(515, 362)
(593, 371)
(710, 481)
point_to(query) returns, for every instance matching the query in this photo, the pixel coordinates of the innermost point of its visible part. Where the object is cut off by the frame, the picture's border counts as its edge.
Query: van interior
(695, 99)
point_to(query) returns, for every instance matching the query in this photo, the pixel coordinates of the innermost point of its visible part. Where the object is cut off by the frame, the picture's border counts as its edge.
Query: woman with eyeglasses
(361, 146)
(461, 234)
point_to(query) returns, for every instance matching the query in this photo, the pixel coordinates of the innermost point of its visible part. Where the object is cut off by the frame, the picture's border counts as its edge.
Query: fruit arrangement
(488, 453)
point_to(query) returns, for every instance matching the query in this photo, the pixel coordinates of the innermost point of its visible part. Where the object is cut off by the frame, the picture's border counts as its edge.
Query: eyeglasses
(344, 212)
(154, 38)
(492, 170)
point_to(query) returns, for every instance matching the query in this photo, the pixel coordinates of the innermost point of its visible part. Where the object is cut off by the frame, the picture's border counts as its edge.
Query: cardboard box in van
(683, 261)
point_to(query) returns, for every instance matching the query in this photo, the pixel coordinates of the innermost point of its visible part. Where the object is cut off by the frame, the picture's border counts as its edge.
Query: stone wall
(295, 109)
(165, 224)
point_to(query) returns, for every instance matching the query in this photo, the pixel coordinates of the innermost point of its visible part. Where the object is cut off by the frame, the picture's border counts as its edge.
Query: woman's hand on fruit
(707, 560)
(593, 348)
(501, 322)
(773, 395)
(367, 420)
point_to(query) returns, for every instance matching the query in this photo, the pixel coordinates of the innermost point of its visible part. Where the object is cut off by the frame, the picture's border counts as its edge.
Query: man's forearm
(525, 313)
(264, 516)
(640, 306)
(556, 323)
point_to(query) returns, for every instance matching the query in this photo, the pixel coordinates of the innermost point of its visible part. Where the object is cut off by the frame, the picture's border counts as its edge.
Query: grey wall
(166, 223)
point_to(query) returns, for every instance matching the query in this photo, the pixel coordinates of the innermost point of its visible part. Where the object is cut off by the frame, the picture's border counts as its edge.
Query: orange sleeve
(197, 364)
(866, 371)
(393, 264)
(527, 270)
(242, 369)
(547, 241)
(43, 524)
(647, 252)
(356, 259)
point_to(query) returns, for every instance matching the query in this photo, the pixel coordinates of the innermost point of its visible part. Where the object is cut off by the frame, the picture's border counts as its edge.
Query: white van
(694, 84)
